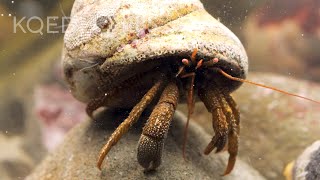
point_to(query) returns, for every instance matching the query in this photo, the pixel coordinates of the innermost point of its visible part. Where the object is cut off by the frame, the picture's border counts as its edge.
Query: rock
(76, 157)
(307, 166)
(275, 127)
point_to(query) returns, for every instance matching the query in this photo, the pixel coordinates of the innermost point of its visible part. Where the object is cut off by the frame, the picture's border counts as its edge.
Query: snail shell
(107, 42)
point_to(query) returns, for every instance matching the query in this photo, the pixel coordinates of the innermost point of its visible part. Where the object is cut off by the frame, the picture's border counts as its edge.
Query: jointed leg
(233, 117)
(235, 110)
(226, 118)
(156, 129)
(219, 122)
(127, 123)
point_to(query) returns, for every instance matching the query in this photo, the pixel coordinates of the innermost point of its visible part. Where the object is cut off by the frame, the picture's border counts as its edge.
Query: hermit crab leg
(210, 98)
(233, 118)
(127, 123)
(225, 121)
(156, 129)
(235, 110)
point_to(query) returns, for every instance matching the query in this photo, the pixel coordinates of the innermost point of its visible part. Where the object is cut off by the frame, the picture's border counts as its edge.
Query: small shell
(96, 60)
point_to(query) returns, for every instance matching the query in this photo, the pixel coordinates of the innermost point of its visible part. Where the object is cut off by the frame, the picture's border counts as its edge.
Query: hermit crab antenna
(191, 103)
(262, 85)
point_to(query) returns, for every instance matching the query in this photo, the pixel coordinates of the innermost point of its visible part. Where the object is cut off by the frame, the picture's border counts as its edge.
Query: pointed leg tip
(230, 166)
(211, 145)
(99, 165)
(103, 153)
(227, 171)
(224, 174)
(207, 151)
(184, 157)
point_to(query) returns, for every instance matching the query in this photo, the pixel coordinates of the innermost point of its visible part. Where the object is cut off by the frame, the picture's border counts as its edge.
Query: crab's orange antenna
(262, 85)
(191, 104)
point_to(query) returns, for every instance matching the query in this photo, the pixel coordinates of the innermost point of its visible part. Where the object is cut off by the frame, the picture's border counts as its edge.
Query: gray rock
(77, 155)
(307, 166)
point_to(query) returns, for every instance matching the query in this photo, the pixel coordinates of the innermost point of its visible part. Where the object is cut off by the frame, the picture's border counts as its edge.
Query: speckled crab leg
(211, 100)
(225, 121)
(127, 123)
(156, 129)
(233, 118)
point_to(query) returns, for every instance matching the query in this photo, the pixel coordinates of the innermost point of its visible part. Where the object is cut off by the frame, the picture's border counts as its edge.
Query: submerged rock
(307, 166)
(76, 157)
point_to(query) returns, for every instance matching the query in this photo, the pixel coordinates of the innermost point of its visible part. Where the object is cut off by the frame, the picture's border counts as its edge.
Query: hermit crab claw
(139, 54)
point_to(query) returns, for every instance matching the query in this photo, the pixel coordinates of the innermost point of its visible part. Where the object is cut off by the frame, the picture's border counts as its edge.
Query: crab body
(122, 53)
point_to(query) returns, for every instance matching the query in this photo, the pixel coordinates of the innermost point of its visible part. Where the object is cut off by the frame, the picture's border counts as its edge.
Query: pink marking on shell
(142, 33)
(134, 43)
(120, 48)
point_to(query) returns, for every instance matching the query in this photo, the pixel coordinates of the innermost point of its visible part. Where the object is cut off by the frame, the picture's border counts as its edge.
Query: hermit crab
(155, 54)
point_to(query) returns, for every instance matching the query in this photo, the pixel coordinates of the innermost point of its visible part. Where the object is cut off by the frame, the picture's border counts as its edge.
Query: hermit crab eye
(106, 23)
